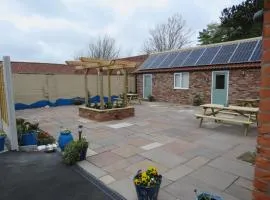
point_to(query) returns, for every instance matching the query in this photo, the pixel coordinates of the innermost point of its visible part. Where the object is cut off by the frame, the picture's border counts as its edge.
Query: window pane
(185, 80)
(177, 79)
(220, 81)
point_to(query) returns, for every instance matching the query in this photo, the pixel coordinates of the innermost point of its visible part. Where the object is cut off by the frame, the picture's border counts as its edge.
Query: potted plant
(147, 184)
(64, 138)
(2, 140)
(82, 146)
(206, 196)
(27, 132)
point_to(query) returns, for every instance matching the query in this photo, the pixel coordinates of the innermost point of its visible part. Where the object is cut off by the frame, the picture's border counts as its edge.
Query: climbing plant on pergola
(103, 65)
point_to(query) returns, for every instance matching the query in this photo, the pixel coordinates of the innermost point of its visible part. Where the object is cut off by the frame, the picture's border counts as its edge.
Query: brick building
(220, 73)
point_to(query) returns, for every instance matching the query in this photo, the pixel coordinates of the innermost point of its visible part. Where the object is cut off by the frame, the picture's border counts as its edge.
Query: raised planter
(106, 115)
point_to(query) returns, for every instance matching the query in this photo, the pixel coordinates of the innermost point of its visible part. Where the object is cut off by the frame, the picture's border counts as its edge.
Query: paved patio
(166, 136)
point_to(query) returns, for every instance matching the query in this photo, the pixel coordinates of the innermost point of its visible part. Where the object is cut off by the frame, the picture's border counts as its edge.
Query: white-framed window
(181, 80)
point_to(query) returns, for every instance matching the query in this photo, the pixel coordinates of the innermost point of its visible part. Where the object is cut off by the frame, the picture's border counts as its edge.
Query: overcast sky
(57, 30)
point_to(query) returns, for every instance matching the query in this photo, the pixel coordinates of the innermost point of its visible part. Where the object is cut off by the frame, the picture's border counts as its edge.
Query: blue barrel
(64, 139)
(2, 143)
(29, 138)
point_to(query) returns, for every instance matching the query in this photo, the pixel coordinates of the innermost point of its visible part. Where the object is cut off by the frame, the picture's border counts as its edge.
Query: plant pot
(147, 193)
(208, 196)
(2, 142)
(29, 138)
(83, 153)
(64, 139)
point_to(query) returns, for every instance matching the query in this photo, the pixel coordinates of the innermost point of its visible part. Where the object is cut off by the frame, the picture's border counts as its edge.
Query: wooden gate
(7, 109)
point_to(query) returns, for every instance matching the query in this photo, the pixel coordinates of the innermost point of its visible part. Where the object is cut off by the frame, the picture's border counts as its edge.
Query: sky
(58, 30)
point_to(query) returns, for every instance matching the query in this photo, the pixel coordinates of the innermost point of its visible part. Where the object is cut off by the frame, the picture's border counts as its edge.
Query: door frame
(228, 80)
(151, 83)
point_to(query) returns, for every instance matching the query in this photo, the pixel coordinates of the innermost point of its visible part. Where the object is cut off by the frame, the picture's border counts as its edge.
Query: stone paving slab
(168, 160)
(210, 153)
(127, 151)
(234, 167)
(143, 165)
(214, 177)
(177, 172)
(239, 192)
(104, 159)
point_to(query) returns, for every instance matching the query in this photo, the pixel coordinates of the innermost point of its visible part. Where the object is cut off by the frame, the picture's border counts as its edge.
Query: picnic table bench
(249, 114)
(133, 97)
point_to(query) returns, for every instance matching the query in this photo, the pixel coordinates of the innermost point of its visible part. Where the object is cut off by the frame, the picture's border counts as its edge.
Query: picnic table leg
(202, 117)
(246, 129)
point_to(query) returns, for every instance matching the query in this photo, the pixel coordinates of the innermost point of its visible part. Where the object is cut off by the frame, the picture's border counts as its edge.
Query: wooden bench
(245, 123)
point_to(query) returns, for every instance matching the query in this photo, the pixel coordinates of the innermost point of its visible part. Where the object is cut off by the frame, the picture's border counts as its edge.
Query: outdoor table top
(236, 108)
(248, 100)
(132, 94)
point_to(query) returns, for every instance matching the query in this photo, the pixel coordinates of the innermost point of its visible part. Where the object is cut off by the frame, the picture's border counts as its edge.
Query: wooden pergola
(103, 65)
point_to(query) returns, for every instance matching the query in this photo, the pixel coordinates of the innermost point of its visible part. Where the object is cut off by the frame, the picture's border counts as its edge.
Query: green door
(147, 85)
(220, 87)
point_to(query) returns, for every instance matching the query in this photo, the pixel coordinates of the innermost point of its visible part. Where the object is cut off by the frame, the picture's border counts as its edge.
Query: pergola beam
(101, 65)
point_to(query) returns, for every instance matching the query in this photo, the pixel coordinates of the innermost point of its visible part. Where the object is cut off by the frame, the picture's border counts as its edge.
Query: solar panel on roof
(193, 57)
(224, 54)
(208, 55)
(256, 56)
(158, 60)
(166, 62)
(147, 61)
(182, 55)
(243, 52)
(153, 58)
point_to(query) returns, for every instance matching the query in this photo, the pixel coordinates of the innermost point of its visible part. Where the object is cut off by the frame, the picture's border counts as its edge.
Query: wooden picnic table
(248, 102)
(132, 97)
(249, 114)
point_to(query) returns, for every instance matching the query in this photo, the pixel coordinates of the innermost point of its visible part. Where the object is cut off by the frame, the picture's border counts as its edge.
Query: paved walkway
(165, 136)
(42, 176)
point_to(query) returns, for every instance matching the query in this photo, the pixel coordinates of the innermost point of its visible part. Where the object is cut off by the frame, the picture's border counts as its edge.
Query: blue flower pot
(207, 195)
(2, 143)
(64, 139)
(29, 138)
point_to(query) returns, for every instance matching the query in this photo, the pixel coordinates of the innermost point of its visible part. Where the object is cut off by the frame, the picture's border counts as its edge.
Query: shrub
(71, 153)
(109, 105)
(2, 133)
(197, 100)
(44, 138)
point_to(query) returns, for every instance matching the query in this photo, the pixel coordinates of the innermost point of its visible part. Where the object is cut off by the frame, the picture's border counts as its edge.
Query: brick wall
(262, 166)
(240, 86)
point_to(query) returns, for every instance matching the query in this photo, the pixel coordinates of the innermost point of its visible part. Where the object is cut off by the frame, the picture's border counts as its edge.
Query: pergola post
(86, 87)
(125, 87)
(109, 85)
(101, 89)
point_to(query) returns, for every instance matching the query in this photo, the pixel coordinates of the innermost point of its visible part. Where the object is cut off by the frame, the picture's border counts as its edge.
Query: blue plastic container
(64, 139)
(29, 138)
(2, 143)
(209, 196)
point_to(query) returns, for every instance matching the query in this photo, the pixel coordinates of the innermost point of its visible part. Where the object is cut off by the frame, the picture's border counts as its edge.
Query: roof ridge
(208, 45)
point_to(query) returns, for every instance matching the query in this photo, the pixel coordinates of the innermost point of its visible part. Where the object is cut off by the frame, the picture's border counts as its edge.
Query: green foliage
(72, 151)
(71, 154)
(151, 98)
(66, 132)
(44, 138)
(236, 23)
(24, 127)
(109, 105)
(2, 133)
(197, 100)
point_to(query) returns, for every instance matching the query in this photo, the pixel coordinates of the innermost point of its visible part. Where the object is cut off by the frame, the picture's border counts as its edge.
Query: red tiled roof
(52, 68)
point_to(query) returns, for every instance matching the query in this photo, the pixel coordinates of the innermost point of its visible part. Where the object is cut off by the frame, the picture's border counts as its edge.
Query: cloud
(55, 30)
